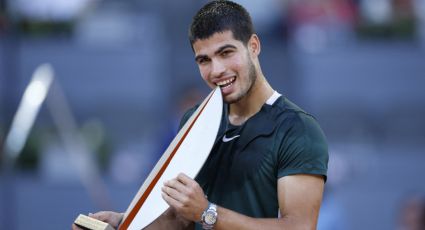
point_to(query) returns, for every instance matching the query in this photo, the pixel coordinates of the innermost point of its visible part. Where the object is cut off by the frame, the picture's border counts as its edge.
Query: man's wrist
(209, 216)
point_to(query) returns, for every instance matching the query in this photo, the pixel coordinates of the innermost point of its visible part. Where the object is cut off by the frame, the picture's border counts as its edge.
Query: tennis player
(268, 166)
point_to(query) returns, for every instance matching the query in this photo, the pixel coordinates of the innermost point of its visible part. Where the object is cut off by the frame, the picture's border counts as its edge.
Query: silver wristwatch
(209, 216)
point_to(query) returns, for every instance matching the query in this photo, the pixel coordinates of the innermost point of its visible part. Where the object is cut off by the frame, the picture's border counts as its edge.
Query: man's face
(224, 61)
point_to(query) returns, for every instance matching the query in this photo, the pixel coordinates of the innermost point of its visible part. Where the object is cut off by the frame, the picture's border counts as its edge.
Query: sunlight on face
(224, 61)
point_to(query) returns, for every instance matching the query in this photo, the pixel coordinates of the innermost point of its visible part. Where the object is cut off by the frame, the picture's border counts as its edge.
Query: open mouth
(226, 83)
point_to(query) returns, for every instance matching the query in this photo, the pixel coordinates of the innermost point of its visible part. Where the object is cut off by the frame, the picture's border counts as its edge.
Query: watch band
(209, 216)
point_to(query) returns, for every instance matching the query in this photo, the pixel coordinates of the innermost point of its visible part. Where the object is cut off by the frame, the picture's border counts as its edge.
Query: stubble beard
(252, 77)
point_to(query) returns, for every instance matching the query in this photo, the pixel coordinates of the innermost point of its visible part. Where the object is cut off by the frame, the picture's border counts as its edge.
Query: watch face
(210, 217)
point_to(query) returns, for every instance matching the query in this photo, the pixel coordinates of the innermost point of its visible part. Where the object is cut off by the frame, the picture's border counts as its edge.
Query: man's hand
(185, 196)
(112, 218)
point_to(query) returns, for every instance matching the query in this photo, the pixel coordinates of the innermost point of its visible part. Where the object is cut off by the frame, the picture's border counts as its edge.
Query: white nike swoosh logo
(225, 139)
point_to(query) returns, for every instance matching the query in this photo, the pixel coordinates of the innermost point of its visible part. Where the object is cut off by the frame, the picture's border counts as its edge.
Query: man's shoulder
(301, 140)
(187, 115)
(286, 111)
(292, 121)
(191, 110)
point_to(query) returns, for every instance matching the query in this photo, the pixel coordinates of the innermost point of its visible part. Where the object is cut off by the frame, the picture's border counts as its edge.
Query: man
(268, 165)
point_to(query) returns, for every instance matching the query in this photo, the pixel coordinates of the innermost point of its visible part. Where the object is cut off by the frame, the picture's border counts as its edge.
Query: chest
(235, 161)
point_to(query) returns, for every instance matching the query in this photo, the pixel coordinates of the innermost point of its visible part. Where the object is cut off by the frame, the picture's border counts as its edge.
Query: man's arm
(170, 220)
(299, 197)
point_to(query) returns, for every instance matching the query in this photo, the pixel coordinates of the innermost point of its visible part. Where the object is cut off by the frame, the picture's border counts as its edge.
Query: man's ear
(254, 45)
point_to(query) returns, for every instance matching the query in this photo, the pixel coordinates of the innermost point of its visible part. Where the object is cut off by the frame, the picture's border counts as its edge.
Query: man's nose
(218, 68)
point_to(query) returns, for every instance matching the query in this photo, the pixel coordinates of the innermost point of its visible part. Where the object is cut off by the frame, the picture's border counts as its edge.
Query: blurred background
(124, 74)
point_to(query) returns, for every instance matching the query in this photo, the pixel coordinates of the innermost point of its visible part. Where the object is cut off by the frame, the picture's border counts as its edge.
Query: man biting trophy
(268, 162)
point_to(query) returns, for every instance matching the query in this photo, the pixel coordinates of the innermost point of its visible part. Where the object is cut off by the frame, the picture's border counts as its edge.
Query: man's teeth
(226, 82)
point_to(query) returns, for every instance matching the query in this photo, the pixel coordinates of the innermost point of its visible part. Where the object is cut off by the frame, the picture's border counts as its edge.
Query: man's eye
(202, 61)
(226, 53)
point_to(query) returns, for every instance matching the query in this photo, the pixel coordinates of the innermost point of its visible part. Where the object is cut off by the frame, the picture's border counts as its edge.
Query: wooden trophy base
(88, 223)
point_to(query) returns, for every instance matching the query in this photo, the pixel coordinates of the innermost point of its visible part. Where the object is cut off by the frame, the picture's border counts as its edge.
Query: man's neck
(249, 105)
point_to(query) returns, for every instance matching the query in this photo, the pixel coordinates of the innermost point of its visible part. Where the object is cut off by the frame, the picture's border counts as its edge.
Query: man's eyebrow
(201, 56)
(224, 47)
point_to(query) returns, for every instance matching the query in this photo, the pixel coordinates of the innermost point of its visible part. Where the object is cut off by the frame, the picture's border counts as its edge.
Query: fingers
(190, 184)
(176, 194)
(182, 183)
(185, 179)
(181, 188)
(185, 196)
(171, 201)
(102, 216)
(174, 183)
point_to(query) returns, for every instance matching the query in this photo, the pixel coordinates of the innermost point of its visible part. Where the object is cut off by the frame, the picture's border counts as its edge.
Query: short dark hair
(220, 16)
